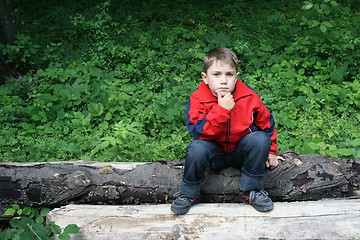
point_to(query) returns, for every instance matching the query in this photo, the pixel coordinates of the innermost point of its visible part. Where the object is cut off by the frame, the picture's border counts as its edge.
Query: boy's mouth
(223, 89)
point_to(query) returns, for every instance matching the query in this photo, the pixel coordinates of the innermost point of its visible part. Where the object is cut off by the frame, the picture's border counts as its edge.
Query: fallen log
(54, 184)
(325, 219)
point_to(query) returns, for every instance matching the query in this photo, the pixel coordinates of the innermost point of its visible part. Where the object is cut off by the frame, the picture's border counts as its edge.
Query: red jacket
(207, 120)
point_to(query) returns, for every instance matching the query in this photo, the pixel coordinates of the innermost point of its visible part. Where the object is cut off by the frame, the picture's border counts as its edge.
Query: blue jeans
(250, 156)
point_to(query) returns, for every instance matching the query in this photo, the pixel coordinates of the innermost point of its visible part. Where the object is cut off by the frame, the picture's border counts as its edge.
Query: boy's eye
(216, 74)
(230, 74)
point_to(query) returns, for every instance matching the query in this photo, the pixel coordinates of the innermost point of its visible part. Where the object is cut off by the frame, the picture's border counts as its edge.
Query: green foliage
(110, 81)
(30, 224)
(21, 52)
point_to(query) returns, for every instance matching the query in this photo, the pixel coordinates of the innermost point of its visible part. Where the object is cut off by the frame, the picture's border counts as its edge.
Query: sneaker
(182, 204)
(258, 199)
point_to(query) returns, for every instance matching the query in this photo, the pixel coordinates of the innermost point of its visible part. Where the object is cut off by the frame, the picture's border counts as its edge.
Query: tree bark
(53, 184)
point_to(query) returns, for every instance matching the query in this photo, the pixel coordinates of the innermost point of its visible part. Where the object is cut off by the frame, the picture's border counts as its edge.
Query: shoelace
(253, 194)
(180, 195)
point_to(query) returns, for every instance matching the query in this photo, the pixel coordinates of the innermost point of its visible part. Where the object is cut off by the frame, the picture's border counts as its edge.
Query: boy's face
(221, 77)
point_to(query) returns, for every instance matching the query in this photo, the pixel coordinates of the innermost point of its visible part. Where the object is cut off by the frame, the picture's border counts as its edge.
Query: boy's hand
(273, 161)
(227, 101)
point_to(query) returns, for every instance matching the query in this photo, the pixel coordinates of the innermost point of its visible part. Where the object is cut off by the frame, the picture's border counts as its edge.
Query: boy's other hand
(273, 161)
(227, 101)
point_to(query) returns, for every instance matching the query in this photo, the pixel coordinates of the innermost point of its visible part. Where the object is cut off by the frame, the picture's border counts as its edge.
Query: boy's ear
(204, 77)
(237, 75)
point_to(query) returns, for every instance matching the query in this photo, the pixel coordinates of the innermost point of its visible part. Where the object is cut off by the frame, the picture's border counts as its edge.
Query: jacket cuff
(273, 149)
(272, 152)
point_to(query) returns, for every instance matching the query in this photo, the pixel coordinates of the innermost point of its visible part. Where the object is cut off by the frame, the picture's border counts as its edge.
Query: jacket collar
(205, 95)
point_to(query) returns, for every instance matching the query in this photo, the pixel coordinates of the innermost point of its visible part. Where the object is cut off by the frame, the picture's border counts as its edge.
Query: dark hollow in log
(54, 184)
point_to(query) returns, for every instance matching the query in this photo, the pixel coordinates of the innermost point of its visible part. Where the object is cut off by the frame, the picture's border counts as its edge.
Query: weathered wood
(51, 184)
(324, 219)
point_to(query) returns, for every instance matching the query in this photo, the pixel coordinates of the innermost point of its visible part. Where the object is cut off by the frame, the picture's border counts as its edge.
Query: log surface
(324, 219)
(54, 184)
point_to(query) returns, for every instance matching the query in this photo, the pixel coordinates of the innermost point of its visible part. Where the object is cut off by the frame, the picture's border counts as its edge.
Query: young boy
(231, 127)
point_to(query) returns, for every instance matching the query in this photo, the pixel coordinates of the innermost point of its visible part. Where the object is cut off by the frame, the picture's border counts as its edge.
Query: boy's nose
(223, 80)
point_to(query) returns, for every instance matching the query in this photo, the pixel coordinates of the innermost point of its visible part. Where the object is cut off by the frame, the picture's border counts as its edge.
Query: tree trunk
(7, 23)
(7, 34)
(52, 184)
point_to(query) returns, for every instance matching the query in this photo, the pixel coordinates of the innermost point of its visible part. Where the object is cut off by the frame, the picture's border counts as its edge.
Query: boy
(231, 127)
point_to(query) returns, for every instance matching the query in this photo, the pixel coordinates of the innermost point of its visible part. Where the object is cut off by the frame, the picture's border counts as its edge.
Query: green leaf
(113, 141)
(26, 221)
(15, 206)
(6, 235)
(314, 146)
(54, 228)
(15, 223)
(71, 229)
(10, 211)
(36, 117)
(104, 144)
(27, 211)
(101, 146)
(308, 5)
(300, 101)
(108, 116)
(64, 236)
(314, 23)
(96, 109)
(200, 55)
(171, 111)
(39, 219)
(323, 28)
(346, 151)
(41, 230)
(327, 24)
(44, 212)
(356, 142)
(19, 212)
(34, 213)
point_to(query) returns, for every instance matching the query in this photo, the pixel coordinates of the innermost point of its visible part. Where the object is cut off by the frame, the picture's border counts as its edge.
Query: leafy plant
(29, 224)
(110, 81)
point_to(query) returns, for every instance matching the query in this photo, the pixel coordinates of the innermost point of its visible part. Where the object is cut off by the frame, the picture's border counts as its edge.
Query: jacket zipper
(227, 140)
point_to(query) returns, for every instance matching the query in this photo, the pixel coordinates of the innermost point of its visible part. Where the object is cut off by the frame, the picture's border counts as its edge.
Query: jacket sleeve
(265, 121)
(205, 125)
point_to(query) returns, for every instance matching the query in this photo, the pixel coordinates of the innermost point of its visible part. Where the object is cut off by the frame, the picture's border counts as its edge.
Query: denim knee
(200, 148)
(199, 151)
(258, 140)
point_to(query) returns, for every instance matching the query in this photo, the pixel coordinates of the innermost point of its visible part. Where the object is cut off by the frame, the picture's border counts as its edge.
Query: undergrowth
(109, 81)
(30, 224)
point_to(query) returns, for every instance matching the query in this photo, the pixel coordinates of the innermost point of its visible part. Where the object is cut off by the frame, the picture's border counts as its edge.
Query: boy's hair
(220, 54)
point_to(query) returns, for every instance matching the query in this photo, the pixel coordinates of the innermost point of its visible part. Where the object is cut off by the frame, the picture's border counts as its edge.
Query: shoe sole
(179, 211)
(263, 209)
(258, 208)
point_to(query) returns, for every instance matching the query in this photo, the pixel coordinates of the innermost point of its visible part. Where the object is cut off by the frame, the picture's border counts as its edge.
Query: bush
(29, 224)
(110, 83)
